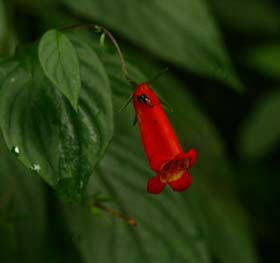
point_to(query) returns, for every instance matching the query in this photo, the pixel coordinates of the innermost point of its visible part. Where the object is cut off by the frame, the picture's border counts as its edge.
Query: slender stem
(124, 67)
(115, 43)
(114, 213)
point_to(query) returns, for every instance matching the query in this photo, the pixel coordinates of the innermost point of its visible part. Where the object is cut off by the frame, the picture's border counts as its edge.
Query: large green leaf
(40, 126)
(171, 227)
(261, 132)
(224, 224)
(60, 63)
(180, 31)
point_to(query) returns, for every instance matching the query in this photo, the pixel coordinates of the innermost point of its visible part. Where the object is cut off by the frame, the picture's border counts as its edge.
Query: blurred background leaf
(265, 59)
(3, 23)
(181, 32)
(27, 233)
(248, 16)
(7, 41)
(22, 211)
(261, 132)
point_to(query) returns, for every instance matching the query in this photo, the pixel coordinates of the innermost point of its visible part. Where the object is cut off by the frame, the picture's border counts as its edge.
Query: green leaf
(261, 132)
(59, 144)
(182, 32)
(265, 59)
(102, 39)
(60, 63)
(225, 225)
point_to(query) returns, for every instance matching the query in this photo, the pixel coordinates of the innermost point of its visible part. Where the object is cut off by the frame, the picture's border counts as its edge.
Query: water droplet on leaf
(15, 150)
(36, 167)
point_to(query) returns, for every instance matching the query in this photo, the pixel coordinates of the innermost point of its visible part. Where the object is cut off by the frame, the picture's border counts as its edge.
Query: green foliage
(185, 33)
(59, 102)
(266, 59)
(220, 222)
(60, 63)
(7, 44)
(22, 211)
(261, 132)
(124, 173)
(3, 26)
(248, 16)
(189, 235)
(60, 145)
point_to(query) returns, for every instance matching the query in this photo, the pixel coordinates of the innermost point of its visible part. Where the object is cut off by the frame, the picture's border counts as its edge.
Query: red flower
(164, 153)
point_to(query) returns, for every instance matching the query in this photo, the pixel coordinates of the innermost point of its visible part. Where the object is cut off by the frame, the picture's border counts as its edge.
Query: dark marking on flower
(144, 99)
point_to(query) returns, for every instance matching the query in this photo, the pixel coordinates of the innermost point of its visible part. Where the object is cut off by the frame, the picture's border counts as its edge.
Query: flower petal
(157, 160)
(155, 185)
(190, 155)
(182, 183)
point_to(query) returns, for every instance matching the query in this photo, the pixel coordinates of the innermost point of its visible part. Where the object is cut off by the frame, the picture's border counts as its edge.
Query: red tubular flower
(164, 153)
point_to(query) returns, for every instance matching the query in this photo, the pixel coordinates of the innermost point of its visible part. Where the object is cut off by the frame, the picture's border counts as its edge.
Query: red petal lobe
(191, 155)
(182, 183)
(155, 185)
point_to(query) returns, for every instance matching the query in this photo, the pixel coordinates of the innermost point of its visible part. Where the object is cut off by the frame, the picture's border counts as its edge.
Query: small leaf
(60, 63)
(261, 132)
(102, 39)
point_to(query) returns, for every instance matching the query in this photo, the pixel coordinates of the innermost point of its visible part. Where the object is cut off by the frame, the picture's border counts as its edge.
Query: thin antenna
(115, 43)
(158, 75)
